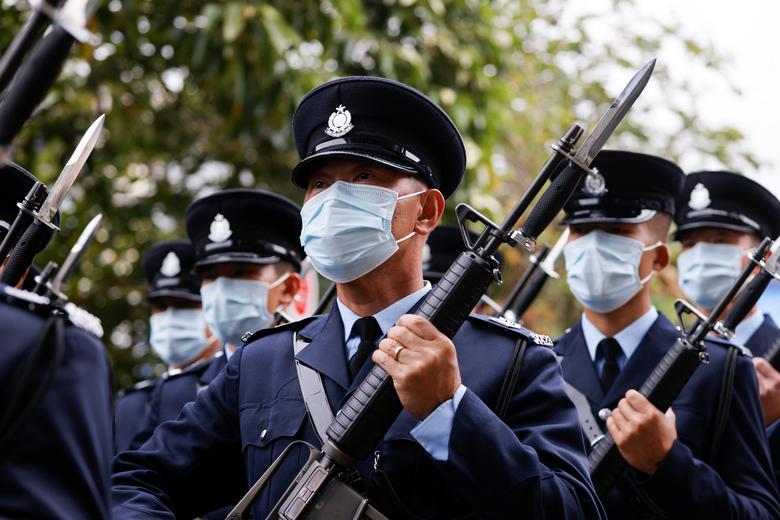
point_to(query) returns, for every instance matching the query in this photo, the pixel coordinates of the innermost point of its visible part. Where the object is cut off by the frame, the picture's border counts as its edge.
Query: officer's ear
(663, 256)
(289, 288)
(431, 211)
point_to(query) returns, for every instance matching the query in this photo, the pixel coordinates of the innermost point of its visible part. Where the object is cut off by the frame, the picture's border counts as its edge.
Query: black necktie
(610, 350)
(367, 329)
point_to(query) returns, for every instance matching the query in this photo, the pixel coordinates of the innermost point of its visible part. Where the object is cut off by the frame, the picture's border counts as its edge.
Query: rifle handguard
(355, 432)
(747, 299)
(553, 199)
(23, 254)
(33, 81)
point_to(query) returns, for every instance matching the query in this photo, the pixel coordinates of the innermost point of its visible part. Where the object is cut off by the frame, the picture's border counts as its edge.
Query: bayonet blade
(76, 252)
(614, 115)
(548, 264)
(73, 16)
(70, 172)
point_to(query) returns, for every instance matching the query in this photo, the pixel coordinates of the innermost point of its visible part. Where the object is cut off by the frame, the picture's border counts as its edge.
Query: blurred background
(199, 97)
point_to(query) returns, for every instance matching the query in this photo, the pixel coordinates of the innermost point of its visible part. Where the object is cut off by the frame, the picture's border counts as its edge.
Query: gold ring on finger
(397, 351)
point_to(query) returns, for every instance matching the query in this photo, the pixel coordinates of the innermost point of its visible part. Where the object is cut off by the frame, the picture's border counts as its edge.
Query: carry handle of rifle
(23, 254)
(354, 431)
(37, 75)
(552, 200)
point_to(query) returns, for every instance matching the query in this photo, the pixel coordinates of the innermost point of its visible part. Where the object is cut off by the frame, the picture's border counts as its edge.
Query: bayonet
(25, 250)
(74, 257)
(69, 174)
(614, 115)
(73, 17)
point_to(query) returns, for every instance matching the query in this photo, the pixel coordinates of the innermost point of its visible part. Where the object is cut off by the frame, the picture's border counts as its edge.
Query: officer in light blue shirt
(676, 467)
(378, 160)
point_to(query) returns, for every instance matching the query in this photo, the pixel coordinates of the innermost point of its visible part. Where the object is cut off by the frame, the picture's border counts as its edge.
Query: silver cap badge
(220, 229)
(595, 184)
(700, 197)
(171, 266)
(339, 122)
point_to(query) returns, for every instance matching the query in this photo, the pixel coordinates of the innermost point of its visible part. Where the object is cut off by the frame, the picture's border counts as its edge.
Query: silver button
(263, 434)
(604, 414)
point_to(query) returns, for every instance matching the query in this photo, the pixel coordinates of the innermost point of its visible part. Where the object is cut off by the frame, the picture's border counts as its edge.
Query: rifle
(672, 373)
(542, 268)
(43, 66)
(749, 296)
(317, 491)
(23, 41)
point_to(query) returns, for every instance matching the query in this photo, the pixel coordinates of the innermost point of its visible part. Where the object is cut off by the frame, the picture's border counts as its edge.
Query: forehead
(707, 234)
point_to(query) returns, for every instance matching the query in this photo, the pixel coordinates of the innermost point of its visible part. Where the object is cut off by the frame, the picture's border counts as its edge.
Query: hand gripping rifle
(43, 220)
(532, 282)
(317, 491)
(42, 67)
(672, 373)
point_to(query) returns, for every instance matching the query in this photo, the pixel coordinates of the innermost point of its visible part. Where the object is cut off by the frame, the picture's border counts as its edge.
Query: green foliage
(199, 96)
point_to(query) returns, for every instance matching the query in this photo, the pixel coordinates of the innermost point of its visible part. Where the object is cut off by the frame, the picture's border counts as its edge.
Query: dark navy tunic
(58, 464)
(738, 483)
(532, 463)
(130, 407)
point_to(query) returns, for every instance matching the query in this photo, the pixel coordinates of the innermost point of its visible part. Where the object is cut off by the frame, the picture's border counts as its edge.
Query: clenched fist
(641, 432)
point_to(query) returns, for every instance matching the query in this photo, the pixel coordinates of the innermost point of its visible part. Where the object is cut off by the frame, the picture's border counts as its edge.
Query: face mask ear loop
(647, 278)
(279, 280)
(407, 237)
(412, 195)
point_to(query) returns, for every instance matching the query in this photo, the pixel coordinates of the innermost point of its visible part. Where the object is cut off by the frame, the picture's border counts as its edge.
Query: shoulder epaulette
(512, 326)
(42, 305)
(195, 368)
(721, 342)
(146, 384)
(249, 337)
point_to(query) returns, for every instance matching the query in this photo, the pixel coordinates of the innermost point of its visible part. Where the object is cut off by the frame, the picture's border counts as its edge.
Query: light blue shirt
(628, 338)
(433, 433)
(747, 328)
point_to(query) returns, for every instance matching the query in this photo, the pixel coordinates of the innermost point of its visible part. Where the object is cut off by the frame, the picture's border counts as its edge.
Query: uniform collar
(628, 338)
(387, 316)
(748, 327)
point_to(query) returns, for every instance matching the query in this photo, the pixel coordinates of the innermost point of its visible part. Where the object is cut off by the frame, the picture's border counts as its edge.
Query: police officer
(55, 386)
(378, 160)
(617, 243)
(178, 334)
(720, 217)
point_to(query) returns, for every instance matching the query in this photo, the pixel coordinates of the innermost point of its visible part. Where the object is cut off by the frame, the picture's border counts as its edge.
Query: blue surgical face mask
(707, 271)
(233, 307)
(347, 229)
(178, 335)
(603, 269)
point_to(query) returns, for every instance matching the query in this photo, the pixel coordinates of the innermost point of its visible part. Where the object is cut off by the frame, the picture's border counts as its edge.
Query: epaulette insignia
(84, 320)
(249, 337)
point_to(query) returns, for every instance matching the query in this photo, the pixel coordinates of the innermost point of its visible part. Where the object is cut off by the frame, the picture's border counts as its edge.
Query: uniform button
(263, 434)
(604, 414)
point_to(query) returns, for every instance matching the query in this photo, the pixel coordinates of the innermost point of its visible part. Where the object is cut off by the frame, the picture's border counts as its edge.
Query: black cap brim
(300, 174)
(609, 217)
(173, 293)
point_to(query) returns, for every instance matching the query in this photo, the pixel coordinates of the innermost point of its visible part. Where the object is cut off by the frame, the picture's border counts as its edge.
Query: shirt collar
(748, 327)
(387, 316)
(629, 338)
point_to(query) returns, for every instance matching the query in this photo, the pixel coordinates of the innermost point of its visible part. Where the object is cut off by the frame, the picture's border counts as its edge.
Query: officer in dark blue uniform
(178, 335)
(617, 243)
(55, 386)
(720, 217)
(252, 257)
(378, 160)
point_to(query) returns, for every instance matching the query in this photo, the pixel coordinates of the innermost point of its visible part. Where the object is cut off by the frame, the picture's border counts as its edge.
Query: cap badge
(595, 185)
(220, 229)
(171, 266)
(700, 197)
(339, 122)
